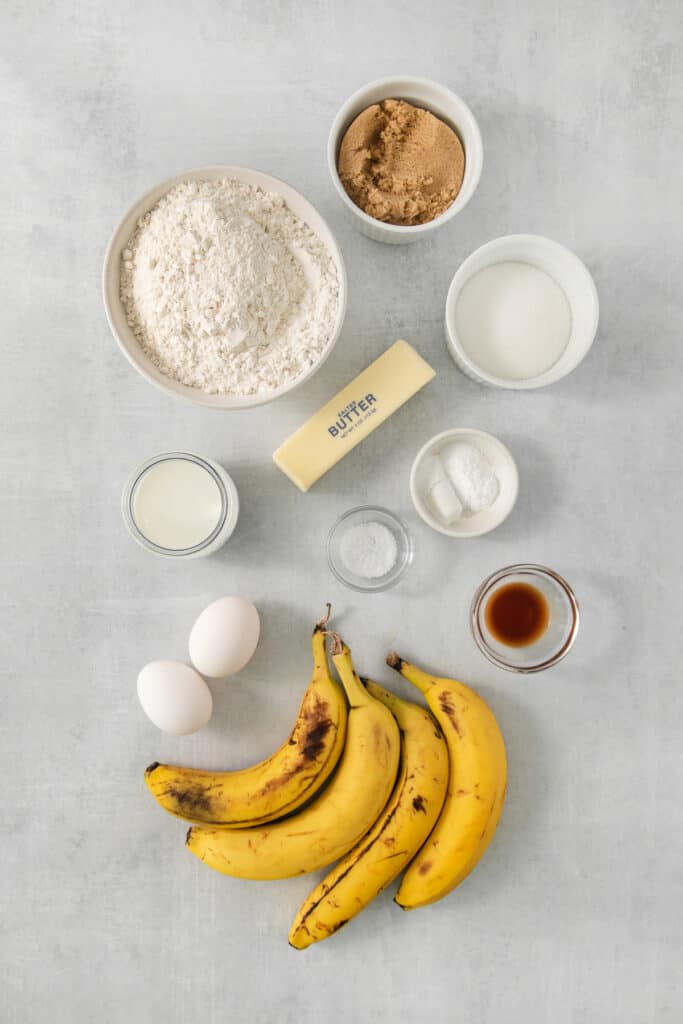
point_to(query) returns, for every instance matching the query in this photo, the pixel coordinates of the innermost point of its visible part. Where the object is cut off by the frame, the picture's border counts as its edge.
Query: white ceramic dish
(440, 101)
(567, 271)
(116, 315)
(477, 523)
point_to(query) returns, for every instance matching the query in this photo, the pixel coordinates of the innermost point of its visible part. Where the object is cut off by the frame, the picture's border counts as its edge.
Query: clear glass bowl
(356, 517)
(559, 635)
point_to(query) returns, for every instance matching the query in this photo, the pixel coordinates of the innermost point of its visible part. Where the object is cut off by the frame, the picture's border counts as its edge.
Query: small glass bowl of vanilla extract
(524, 618)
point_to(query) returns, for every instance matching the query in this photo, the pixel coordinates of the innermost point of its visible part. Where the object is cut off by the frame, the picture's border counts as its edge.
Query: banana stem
(319, 652)
(338, 645)
(410, 672)
(341, 656)
(319, 643)
(320, 626)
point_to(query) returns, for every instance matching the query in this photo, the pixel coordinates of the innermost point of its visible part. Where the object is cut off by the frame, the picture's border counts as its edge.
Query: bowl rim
(341, 122)
(148, 199)
(423, 511)
(531, 568)
(463, 275)
(392, 580)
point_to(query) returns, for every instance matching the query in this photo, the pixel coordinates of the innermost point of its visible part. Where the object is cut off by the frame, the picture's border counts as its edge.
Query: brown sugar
(400, 163)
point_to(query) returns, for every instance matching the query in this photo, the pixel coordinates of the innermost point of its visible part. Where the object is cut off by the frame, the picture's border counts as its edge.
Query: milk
(176, 504)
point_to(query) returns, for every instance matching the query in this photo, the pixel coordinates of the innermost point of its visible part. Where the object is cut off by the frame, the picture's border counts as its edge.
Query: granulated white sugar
(513, 320)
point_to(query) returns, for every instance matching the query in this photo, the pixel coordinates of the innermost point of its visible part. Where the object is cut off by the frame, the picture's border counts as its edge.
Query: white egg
(174, 697)
(224, 637)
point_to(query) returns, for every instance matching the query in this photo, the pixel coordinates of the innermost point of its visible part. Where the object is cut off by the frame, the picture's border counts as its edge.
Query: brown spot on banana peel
(448, 710)
(419, 804)
(424, 868)
(190, 799)
(492, 811)
(312, 743)
(326, 931)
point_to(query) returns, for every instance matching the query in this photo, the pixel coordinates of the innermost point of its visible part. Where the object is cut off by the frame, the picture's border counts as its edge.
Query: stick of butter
(352, 414)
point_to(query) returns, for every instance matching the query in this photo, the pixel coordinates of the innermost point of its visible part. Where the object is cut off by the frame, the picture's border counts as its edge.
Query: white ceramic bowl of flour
(116, 314)
(522, 312)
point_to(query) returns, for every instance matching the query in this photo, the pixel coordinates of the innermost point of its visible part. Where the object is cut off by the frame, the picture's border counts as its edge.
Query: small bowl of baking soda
(464, 482)
(369, 549)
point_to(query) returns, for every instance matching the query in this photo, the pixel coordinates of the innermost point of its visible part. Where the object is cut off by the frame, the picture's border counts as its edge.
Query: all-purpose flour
(227, 290)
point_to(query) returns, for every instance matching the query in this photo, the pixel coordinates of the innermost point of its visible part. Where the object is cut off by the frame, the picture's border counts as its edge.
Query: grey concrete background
(575, 914)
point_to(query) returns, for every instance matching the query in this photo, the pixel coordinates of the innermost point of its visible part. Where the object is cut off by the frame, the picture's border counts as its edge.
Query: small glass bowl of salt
(369, 549)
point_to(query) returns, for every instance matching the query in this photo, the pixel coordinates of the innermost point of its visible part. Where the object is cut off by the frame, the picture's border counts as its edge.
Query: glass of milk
(180, 505)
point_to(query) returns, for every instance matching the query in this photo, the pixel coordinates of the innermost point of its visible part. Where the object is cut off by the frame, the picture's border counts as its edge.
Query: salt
(368, 550)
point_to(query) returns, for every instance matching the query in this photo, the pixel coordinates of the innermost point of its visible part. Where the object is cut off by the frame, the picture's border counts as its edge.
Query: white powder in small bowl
(368, 550)
(471, 475)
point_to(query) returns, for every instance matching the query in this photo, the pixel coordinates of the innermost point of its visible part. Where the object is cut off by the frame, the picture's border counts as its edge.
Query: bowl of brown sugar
(405, 156)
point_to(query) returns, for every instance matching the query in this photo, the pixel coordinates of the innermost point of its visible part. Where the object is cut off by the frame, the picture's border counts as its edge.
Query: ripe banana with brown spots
(396, 836)
(337, 818)
(276, 786)
(476, 788)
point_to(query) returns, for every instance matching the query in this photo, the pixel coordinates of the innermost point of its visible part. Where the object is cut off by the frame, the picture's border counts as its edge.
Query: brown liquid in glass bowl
(517, 614)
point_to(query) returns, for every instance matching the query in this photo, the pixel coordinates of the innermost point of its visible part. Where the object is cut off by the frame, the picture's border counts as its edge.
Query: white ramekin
(566, 269)
(475, 524)
(116, 316)
(440, 101)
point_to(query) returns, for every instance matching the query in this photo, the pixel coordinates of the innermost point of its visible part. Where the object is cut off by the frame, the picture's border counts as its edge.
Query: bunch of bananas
(367, 779)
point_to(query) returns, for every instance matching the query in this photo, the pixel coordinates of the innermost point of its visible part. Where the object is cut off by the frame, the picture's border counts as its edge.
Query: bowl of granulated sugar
(224, 286)
(522, 312)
